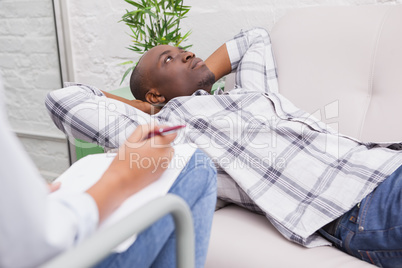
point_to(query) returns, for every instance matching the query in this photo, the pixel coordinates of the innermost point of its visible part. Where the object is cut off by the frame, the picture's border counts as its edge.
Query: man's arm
(85, 113)
(251, 57)
(219, 63)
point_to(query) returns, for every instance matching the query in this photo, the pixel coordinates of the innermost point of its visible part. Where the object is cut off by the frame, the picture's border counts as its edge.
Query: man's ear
(154, 97)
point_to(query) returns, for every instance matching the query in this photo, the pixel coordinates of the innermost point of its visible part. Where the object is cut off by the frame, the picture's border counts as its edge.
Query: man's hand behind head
(146, 107)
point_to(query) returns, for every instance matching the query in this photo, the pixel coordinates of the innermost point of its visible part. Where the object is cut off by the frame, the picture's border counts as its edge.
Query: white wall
(30, 68)
(99, 42)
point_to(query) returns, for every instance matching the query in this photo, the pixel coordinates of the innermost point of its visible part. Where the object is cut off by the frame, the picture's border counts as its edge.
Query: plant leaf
(127, 72)
(154, 22)
(126, 62)
(137, 5)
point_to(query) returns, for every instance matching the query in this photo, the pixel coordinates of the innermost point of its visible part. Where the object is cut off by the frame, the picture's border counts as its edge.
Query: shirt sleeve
(83, 112)
(33, 226)
(252, 60)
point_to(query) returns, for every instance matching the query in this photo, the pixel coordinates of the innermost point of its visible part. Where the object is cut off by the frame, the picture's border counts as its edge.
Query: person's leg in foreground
(372, 230)
(156, 246)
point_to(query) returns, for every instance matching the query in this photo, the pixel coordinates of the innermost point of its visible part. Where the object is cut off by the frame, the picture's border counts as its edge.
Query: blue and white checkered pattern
(272, 157)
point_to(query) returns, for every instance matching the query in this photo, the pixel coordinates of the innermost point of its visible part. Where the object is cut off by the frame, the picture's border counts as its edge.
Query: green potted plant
(153, 23)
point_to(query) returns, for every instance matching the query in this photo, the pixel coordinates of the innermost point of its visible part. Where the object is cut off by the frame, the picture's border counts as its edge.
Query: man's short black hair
(138, 83)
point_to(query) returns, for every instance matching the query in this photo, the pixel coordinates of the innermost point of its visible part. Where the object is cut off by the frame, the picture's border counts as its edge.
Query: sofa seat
(240, 238)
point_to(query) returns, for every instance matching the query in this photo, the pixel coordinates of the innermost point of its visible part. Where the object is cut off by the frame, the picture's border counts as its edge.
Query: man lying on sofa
(308, 180)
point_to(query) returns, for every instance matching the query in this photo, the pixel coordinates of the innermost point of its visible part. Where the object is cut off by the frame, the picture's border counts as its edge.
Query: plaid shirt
(272, 157)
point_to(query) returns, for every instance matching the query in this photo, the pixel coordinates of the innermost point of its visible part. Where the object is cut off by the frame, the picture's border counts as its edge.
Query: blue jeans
(372, 230)
(156, 246)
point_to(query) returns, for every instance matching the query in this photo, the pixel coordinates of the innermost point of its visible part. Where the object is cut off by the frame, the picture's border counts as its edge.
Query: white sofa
(344, 65)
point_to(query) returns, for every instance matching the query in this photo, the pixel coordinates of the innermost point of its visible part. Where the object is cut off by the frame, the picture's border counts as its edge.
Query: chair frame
(100, 245)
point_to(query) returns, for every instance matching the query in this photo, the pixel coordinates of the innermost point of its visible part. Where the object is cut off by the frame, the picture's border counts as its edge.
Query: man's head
(166, 72)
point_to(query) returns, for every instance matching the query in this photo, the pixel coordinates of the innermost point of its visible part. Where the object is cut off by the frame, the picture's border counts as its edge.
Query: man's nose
(187, 56)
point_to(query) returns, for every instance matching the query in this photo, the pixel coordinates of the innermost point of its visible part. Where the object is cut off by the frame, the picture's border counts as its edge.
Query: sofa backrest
(344, 65)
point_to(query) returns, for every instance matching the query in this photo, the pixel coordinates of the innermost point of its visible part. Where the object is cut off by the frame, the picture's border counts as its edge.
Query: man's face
(175, 72)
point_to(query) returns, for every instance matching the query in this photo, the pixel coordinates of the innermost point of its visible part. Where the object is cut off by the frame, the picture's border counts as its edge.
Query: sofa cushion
(344, 65)
(240, 238)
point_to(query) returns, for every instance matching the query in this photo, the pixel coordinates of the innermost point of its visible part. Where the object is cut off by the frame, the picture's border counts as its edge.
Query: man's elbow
(55, 109)
(59, 103)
